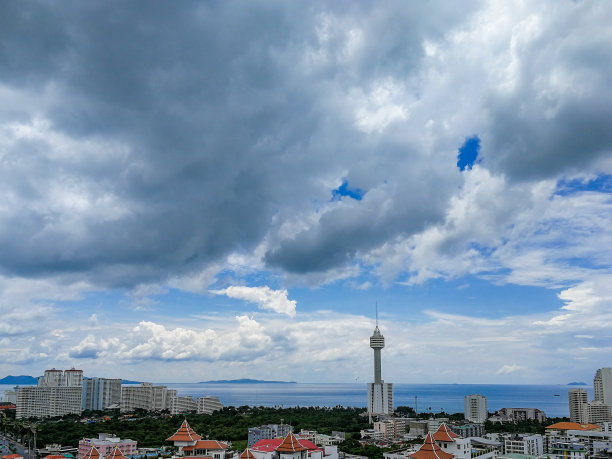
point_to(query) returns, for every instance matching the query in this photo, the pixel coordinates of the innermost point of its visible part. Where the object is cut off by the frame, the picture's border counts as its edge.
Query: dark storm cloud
(186, 127)
(556, 118)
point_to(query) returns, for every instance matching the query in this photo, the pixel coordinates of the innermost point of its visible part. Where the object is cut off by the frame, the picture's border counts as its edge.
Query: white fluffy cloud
(264, 297)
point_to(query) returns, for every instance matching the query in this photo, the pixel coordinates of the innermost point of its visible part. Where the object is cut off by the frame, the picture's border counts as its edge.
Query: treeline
(526, 426)
(231, 424)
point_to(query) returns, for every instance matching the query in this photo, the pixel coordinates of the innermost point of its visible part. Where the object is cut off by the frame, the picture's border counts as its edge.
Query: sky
(194, 191)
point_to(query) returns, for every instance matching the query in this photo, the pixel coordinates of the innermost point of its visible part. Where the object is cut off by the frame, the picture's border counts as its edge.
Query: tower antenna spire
(377, 313)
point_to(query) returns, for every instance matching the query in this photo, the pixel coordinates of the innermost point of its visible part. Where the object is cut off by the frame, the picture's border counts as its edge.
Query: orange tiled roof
(92, 454)
(184, 433)
(206, 444)
(247, 454)
(290, 444)
(116, 454)
(572, 426)
(430, 450)
(444, 433)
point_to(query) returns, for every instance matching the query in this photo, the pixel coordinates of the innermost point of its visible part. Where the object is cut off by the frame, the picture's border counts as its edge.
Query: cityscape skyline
(225, 190)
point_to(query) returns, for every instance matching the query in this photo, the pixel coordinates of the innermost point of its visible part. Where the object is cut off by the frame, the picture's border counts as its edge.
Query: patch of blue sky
(469, 296)
(601, 183)
(345, 190)
(468, 153)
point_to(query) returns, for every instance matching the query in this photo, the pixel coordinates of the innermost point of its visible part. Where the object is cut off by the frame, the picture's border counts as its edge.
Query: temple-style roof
(290, 444)
(268, 445)
(184, 433)
(247, 454)
(116, 454)
(206, 444)
(444, 433)
(93, 453)
(430, 450)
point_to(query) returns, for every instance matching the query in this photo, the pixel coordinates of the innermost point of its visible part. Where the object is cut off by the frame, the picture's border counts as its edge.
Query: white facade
(475, 408)
(602, 386)
(380, 398)
(598, 412)
(147, 397)
(208, 404)
(58, 393)
(185, 404)
(44, 402)
(578, 406)
(100, 393)
(532, 445)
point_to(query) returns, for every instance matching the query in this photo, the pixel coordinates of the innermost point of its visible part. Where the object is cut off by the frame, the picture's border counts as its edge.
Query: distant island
(577, 384)
(23, 379)
(245, 381)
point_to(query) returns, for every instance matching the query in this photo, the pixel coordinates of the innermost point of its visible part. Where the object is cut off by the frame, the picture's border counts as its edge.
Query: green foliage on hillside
(228, 424)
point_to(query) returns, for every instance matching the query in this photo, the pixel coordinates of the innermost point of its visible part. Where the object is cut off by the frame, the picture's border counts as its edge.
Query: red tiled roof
(573, 426)
(290, 444)
(184, 433)
(247, 454)
(444, 433)
(430, 450)
(116, 454)
(92, 454)
(272, 445)
(206, 444)
(11, 456)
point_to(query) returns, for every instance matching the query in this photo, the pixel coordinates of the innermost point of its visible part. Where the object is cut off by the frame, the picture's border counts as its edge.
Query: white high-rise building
(578, 406)
(380, 393)
(147, 397)
(602, 386)
(475, 408)
(101, 393)
(58, 393)
(209, 404)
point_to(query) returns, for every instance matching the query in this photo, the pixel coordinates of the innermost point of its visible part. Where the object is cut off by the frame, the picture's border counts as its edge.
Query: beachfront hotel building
(208, 404)
(602, 386)
(101, 393)
(475, 408)
(380, 393)
(58, 393)
(148, 397)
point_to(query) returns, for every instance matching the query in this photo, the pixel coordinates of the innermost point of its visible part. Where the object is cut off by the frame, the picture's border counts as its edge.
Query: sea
(434, 398)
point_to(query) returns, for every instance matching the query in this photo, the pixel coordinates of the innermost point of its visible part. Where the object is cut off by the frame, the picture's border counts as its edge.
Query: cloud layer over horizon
(175, 176)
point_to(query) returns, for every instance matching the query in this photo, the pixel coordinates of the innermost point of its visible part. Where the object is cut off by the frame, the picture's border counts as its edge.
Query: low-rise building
(105, 444)
(525, 444)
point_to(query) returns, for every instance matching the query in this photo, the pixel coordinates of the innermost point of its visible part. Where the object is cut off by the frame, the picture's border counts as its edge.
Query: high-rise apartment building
(475, 408)
(58, 393)
(209, 404)
(101, 393)
(147, 397)
(602, 386)
(380, 393)
(578, 406)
